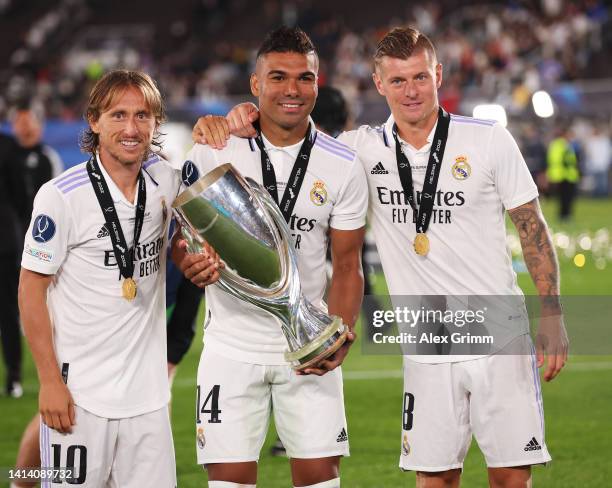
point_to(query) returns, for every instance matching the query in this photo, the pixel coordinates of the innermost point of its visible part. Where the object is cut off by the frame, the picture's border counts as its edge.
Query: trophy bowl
(241, 221)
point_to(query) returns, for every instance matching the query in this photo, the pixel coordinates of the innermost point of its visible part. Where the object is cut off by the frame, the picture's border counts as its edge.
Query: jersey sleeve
(199, 160)
(514, 183)
(48, 236)
(350, 209)
(350, 138)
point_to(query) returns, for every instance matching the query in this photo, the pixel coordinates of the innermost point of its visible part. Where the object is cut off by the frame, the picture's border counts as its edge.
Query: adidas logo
(342, 437)
(379, 169)
(103, 232)
(533, 445)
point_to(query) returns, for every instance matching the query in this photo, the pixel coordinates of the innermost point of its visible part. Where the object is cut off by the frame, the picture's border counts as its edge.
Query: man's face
(27, 128)
(286, 85)
(126, 128)
(409, 85)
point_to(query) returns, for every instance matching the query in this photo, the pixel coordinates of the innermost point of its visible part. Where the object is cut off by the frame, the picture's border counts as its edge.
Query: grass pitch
(577, 404)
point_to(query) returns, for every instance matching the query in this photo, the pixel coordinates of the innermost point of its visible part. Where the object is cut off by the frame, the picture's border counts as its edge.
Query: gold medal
(129, 289)
(421, 244)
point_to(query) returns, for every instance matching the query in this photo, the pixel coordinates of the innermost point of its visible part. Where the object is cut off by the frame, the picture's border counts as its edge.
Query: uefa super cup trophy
(241, 221)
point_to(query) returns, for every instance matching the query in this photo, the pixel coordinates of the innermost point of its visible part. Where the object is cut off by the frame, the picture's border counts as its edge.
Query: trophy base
(310, 356)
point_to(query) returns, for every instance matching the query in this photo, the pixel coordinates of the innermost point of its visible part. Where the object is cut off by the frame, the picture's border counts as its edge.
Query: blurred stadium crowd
(202, 51)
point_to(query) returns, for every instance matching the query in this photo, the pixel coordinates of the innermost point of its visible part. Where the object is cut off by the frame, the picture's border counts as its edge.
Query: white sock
(335, 483)
(227, 484)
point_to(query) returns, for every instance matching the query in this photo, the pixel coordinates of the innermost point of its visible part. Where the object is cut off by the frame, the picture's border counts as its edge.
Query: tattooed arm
(541, 260)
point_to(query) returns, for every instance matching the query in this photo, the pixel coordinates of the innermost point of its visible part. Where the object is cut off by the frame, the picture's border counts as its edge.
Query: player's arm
(54, 400)
(541, 260)
(345, 290)
(215, 130)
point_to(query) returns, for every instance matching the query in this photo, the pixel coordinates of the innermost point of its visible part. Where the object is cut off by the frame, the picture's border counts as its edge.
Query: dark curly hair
(104, 93)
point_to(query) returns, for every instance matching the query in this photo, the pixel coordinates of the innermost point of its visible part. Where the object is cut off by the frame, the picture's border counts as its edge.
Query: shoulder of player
(158, 168)
(365, 135)
(233, 143)
(70, 182)
(333, 148)
(472, 125)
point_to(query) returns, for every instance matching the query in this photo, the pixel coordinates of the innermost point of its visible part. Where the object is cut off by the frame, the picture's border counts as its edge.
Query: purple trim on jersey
(335, 152)
(335, 149)
(151, 161)
(470, 120)
(333, 142)
(538, 388)
(68, 175)
(44, 451)
(385, 140)
(314, 135)
(67, 190)
(69, 181)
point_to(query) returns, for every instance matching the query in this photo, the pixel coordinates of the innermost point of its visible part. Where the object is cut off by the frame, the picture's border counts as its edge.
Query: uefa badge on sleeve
(318, 194)
(461, 169)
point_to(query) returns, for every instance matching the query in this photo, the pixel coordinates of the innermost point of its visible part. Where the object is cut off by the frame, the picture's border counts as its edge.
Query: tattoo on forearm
(538, 250)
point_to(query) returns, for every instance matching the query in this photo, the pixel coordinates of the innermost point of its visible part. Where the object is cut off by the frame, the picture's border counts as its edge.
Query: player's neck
(416, 133)
(281, 136)
(125, 176)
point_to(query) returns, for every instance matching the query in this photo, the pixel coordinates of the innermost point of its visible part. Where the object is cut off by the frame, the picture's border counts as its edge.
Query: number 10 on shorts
(213, 411)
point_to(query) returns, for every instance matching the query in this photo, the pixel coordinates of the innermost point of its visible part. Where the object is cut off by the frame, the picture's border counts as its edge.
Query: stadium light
(542, 104)
(491, 111)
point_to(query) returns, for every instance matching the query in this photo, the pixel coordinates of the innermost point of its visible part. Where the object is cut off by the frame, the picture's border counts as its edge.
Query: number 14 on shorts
(212, 398)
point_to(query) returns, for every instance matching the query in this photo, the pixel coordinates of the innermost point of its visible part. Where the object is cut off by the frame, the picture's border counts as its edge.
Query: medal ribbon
(298, 173)
(123, 255)
(423, 213)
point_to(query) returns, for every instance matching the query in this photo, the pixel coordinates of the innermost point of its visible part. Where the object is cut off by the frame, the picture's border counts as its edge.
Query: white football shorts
(235, 399)
(111, 453)
(497, 398)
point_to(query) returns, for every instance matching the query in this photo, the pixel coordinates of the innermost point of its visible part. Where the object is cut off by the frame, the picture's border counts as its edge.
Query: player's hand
(333, 361)
(202, 269)
(213, 130)
(241, 118)
(552, 343)
(56, 406)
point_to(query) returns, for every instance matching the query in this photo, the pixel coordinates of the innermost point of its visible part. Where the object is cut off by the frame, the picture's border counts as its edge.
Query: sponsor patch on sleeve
(40, 254)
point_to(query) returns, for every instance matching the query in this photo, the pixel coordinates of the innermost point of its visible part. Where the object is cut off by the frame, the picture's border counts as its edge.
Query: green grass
(577, 404)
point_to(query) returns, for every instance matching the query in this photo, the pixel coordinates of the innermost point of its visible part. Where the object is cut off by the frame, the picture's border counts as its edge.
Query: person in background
(25, 165)
(598, 155)
(562, 172)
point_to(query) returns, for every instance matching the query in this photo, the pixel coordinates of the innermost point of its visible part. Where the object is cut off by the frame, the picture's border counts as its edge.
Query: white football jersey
(483, 174)
(114, 349)
(333, 195)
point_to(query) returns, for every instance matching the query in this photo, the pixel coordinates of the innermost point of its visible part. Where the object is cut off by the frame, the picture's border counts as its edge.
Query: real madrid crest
(318, 194)
(461, 169)
(164, 211)
(405, 445)
(200, 438)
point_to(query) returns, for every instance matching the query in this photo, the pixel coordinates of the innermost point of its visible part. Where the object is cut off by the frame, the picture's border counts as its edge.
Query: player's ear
(254, 85)
(93, 124)
(438, 75)
(378, 82)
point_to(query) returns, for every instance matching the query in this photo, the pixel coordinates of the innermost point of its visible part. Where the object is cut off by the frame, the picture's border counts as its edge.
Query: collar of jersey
(116, 194)
(292, 150)
(406, 145)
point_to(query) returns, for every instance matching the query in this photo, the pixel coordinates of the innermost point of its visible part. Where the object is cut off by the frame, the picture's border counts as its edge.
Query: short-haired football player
(243, 375)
